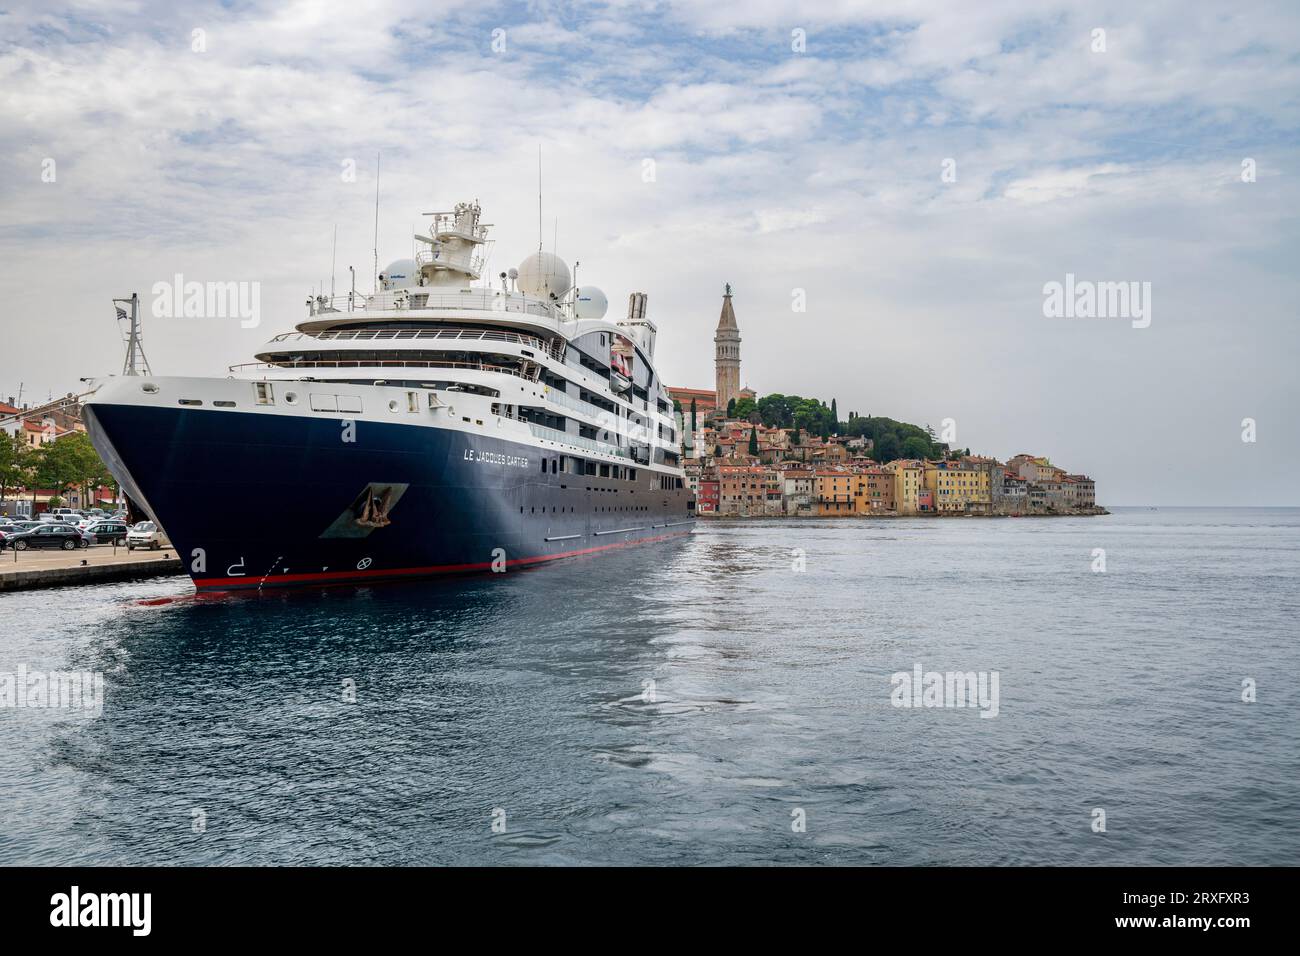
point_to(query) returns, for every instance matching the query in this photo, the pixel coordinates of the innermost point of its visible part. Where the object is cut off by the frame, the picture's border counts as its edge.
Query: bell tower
(726, 362)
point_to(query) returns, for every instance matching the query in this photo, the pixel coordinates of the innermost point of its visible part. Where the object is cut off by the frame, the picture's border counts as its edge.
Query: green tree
(731, 408)
(915, 446)
(835, 418)
(743, 408)
(71, 462)
(887, 448)
(16, 460)
(753, 440)
(693, 425)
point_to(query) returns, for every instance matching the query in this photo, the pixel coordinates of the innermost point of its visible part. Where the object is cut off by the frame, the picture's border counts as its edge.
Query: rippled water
(771, 695)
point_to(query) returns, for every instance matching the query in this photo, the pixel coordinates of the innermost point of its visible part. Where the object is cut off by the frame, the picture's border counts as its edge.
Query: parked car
(54, 534)
(146, 534)
(100, 532)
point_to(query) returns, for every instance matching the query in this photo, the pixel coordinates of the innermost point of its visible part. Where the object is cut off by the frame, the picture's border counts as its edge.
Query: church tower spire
(726, 362)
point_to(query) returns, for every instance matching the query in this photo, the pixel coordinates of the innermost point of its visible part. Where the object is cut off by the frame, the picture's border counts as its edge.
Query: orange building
(833, 493)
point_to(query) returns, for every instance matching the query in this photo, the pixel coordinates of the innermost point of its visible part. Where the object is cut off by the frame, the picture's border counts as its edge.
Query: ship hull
(261, 501)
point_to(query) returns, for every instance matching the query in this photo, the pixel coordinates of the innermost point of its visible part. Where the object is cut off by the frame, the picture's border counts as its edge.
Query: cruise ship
(443, 423)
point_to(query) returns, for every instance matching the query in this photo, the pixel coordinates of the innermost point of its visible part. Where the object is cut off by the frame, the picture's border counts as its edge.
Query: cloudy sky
(794, 150)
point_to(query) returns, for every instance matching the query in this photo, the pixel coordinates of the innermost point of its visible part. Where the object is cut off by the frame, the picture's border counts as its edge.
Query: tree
(743, 408)
(915, 447)
(835, 417)
(753, 440)
(71, 462)
(16, 460)
(693, 425)
(731, 408)
(887, 448)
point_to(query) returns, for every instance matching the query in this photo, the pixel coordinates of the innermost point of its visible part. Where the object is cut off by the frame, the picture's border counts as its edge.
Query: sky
(888, 186)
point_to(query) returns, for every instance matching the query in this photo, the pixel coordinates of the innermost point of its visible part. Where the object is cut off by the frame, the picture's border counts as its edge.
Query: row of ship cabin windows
(571, 465)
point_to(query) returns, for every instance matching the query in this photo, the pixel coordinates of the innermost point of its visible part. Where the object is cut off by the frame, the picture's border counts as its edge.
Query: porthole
(291, 398)
(149, 387)
(392, 405)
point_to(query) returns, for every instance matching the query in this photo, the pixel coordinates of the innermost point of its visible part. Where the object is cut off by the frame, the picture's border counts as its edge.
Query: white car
(146, 534)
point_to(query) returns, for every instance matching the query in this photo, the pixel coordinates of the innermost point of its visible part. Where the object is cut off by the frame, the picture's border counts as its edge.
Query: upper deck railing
(555, 351)
(289, 365)
(422, 300)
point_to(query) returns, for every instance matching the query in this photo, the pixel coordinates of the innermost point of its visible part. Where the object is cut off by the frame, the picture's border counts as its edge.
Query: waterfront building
(1085, 491)
(773, 488)
(709, 493)
(873, 491)
(742, 490)
(833, 493)
(797, 489)
(958, 487)
(1012, 498)
(908, 482)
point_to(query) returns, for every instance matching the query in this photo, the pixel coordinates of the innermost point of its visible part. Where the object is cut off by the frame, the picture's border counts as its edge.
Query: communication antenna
(376, 278)
(135, 358)
(334, 258)
(539, 197)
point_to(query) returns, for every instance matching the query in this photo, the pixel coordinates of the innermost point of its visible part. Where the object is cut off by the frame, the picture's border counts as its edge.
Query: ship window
(412, 401)
(554, 466)
(223, 404)
(291, 398)
(392, 405)
(189, 401)
(263, 392)
(543, 466)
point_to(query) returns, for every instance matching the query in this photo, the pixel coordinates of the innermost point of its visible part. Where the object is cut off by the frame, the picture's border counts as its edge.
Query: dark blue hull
(259, 500)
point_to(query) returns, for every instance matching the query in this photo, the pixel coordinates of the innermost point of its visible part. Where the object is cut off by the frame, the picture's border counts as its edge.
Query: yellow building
(958, 487)
(833, 493)
(908, 482)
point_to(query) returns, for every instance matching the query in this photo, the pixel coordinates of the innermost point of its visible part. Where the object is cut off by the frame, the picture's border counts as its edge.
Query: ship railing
(578, 405)
(420, 300)
(590, 444)
(383, 363)
(367, 335)
(472, 264)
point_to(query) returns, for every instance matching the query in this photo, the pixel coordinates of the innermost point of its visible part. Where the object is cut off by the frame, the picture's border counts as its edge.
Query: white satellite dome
(590, 303)
(544, 274)
(402, 274)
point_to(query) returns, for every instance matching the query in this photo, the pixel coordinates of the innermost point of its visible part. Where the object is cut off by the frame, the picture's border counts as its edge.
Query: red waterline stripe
(247, 582)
